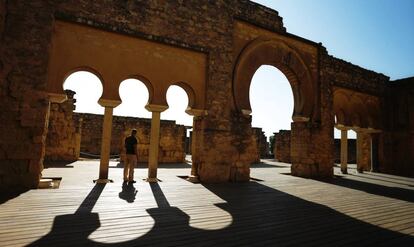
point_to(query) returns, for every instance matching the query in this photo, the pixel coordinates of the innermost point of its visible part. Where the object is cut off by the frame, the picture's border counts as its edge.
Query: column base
(151, 180)
(344, 171)
(103, 181)
(193, 179)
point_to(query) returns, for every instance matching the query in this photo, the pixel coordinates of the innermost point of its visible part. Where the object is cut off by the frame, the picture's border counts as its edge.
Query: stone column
(197, 115)
(106, 139)
(302, 164)
(344, 151)
(154, 141)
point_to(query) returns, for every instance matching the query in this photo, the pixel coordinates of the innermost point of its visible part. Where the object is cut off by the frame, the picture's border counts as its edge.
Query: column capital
(109, 102)
(246, 112)
(156, 108)
(196, 112)
(300, 119)
(342, 127)
(57, 97)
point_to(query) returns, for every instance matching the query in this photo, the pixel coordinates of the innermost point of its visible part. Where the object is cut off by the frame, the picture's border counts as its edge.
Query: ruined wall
(63, 136)
(282, 146)
(23, 101)
(172, 137)
(396, 143)
(261, 144)
(341, 73)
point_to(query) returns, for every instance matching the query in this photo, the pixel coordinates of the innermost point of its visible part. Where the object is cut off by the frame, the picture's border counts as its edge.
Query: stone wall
(396, 142)
(172, 137)
(347, 75)
(26, 29)
(282, 146)
(64, 133)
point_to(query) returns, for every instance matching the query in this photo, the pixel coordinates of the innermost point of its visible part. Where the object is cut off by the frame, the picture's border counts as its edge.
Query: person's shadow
(128, 192)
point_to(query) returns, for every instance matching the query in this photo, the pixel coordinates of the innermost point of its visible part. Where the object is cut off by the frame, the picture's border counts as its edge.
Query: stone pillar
(363, 150)
(302, 164)
(106, 139)
(195, 140)
(154, 141)
(344, 151)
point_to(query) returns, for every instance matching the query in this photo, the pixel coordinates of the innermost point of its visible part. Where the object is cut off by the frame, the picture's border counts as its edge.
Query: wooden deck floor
(275, 209)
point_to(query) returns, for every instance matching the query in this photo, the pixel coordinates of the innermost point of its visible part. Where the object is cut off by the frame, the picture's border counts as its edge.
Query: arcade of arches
(211, 49)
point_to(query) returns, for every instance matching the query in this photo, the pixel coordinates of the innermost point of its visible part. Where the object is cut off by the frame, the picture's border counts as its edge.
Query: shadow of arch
(374, 113)
(342, 107)
(277, 53)
(340, 117)
(356, 120)
(359, 107)
(261, 216)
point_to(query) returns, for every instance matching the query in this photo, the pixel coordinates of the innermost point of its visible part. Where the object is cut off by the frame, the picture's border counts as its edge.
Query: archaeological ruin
(211, 49)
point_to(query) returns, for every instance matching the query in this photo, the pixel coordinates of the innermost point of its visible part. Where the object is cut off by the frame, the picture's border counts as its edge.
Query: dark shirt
(130, 142)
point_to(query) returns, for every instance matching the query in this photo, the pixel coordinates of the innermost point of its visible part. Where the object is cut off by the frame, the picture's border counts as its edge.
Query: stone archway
(264, 51)
(304, 84)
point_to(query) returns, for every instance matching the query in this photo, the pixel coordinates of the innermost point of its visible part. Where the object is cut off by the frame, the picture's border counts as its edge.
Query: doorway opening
(272, 106)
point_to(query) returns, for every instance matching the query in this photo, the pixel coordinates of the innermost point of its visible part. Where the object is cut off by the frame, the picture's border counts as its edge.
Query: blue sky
(374, 34)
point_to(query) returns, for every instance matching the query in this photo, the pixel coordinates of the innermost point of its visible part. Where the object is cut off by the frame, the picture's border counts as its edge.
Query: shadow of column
(261, 216)
(74, 229)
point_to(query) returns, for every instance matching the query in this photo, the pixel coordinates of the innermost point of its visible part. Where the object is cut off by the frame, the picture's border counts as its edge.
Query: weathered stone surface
(64, 134)
(282, 146)
(261, 144)
(217, 32)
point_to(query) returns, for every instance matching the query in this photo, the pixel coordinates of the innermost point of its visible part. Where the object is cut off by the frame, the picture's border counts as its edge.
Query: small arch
(178, 102)
(342, 107)
(84, 69)
(340, 117)
(189, 91)
(145, 81)
(359, 107)
(135, 95)
(88, 88)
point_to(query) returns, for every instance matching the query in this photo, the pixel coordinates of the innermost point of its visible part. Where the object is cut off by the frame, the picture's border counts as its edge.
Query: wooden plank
(281, 209)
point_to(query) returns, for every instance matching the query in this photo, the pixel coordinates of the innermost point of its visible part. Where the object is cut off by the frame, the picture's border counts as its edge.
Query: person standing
(131, 146)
